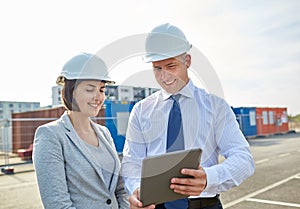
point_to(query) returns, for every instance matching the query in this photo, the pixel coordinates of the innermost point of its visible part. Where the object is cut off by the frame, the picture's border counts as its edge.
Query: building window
(271, 117)
(284, 117)
(252, 118)
(124, 90)
(265, 117)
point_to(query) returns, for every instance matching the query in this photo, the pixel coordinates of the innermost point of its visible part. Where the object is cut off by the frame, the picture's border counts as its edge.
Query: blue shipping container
(246, 117)
(116, 120)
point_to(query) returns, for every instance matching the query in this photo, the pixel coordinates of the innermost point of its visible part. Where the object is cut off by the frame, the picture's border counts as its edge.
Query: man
(207, 122)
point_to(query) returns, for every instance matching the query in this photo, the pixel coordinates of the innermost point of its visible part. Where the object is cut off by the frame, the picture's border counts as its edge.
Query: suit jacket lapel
(73, 136)
(113, 153)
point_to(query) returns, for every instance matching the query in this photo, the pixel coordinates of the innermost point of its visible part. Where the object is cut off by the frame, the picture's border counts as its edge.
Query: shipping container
(262, 121)
(271, 120)
(246, 117)
(116, 120)
(25, 124)
(282, 121)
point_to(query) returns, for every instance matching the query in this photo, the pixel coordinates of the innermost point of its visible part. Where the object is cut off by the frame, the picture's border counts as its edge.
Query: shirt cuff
(132, 187)
(212, 179)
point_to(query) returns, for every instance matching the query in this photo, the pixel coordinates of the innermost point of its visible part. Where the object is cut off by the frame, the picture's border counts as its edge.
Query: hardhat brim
(153, 57)
(61, 80)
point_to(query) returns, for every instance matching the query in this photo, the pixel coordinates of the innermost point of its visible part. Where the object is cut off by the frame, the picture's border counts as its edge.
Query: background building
(128, 93)
(6, 110)
(8, 107)
(56, 96)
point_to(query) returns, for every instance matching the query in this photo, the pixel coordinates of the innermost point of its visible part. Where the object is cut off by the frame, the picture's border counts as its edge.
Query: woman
(75, 159)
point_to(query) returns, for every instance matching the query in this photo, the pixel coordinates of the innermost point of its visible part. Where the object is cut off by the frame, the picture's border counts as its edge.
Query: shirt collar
(186, 91)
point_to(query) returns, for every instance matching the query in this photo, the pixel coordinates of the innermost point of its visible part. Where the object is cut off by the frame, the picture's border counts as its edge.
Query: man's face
(171, 74)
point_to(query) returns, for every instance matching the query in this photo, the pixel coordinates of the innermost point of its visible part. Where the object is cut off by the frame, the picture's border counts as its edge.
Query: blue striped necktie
(175, 141)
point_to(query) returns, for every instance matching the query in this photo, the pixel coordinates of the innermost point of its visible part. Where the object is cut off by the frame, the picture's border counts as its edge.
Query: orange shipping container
(24, 124)
(271, 120)
(262, 121)
(282, 120)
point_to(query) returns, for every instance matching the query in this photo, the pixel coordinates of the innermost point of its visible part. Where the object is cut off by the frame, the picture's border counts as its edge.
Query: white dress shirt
(208, 123)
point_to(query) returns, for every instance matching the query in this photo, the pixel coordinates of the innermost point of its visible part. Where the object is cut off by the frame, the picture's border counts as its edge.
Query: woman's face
(89, 96)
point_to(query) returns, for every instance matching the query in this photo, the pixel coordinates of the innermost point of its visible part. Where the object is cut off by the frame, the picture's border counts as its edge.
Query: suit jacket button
(108, 201)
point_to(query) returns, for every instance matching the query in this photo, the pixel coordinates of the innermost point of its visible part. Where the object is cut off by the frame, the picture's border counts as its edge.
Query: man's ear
(188, 60)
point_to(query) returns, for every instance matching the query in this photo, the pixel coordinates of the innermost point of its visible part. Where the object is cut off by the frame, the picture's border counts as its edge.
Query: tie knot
(176, 97)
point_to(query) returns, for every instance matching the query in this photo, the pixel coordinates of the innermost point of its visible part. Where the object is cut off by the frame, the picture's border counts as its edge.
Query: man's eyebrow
(171, 63)
(156, 67)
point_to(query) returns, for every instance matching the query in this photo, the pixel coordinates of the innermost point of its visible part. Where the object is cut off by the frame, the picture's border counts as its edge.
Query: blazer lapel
(73, 136)
(111, 149)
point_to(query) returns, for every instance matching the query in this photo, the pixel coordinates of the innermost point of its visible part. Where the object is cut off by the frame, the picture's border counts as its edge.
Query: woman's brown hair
(67, 94)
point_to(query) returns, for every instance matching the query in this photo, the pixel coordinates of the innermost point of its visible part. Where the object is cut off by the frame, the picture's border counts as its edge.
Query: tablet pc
(157, 172)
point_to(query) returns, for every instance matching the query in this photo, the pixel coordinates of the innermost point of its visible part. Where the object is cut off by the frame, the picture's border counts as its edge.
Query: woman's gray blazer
(68, 175)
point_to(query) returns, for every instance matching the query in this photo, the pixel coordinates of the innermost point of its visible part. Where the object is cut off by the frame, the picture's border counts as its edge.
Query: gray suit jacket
(68, 175)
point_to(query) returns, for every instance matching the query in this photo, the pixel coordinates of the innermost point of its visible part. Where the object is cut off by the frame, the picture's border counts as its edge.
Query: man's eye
(171, 66)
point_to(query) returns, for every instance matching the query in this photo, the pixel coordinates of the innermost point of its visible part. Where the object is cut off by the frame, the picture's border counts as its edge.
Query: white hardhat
(165, 41)
(84, 66)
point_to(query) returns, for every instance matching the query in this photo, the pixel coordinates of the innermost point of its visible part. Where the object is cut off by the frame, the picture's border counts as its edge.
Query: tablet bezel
(157, 172)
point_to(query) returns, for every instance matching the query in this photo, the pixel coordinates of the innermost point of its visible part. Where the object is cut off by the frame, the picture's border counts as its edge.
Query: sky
(253, 46)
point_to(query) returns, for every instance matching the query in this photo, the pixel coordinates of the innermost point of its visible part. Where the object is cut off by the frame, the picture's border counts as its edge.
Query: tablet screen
(157, 172)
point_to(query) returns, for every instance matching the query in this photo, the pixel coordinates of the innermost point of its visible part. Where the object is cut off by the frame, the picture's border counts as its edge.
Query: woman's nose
(97, 96)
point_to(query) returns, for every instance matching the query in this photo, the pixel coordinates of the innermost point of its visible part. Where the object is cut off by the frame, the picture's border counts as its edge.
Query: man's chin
(171, 91)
